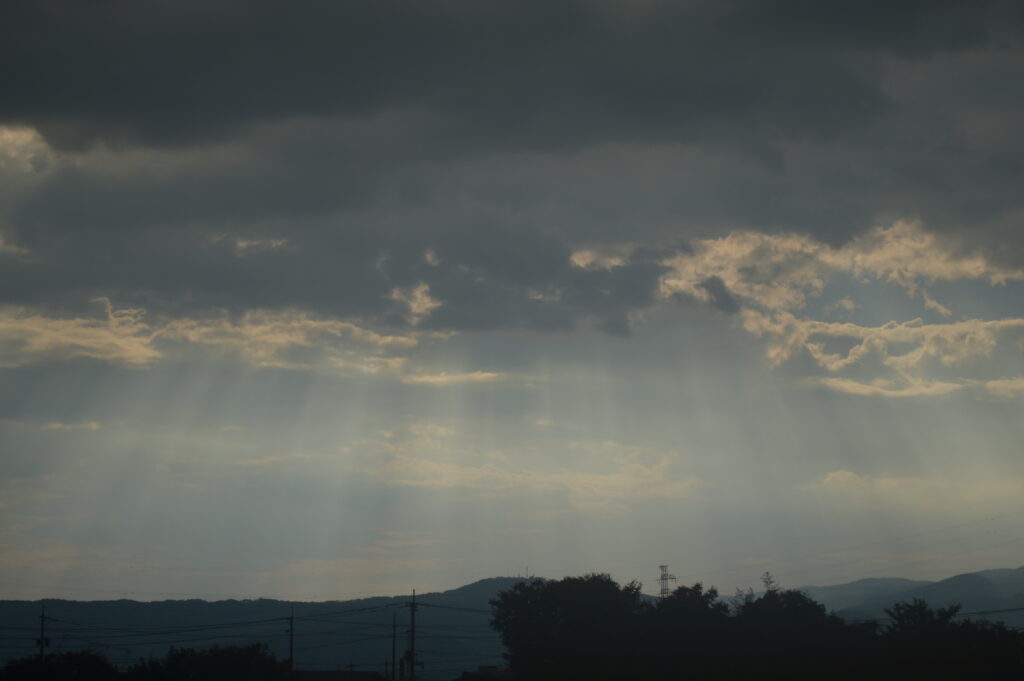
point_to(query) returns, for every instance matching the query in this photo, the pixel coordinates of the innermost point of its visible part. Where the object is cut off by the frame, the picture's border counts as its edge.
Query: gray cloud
(360, 136)
(546, 73)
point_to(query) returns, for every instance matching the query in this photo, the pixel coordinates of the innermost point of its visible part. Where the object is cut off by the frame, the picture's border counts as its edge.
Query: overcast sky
(327, 299)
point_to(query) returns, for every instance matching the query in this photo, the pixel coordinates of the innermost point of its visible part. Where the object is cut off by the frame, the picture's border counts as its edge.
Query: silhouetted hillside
(453, 628)
(1010, 583)
(977, 591)
(851, 594)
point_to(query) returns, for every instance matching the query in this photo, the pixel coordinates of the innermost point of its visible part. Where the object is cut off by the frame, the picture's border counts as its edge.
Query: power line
(220, 625)
(193, 594)
(352, 610)
(178, 629)
(457, 635)
(454, 607)
(989, 612)
(335, 643)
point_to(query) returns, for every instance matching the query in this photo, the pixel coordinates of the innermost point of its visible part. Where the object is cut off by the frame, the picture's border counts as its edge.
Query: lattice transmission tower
(664, 579)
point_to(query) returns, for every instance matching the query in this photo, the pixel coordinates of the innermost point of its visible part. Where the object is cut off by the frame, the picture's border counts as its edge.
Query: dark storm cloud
(489, 273)
(354, 138)
(174, 270)
(909, 28)
(540, 73)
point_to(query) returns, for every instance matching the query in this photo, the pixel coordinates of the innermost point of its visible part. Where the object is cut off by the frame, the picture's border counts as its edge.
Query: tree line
(218, 663)
(591, 628)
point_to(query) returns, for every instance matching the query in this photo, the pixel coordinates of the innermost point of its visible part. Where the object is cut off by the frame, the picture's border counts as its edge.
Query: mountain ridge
(453, 626)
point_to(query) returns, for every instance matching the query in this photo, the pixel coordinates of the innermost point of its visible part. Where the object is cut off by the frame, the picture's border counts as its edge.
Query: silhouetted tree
(590, 628)
(787, 631)
(69, 666)
(921, 642)
(227, 663)
(578, 627)
(916, 619)
(688, 630)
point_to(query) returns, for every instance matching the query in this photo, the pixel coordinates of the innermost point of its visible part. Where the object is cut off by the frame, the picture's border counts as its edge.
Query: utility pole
(664, 579)
(394, 641)
(291, 642)
(43, 641)
(412, 637)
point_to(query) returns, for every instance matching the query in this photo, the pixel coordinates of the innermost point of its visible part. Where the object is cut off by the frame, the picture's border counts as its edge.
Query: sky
(321, 300)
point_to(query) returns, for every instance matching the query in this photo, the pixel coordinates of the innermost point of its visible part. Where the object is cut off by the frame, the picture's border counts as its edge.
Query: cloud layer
(338, 158)
(300, 291)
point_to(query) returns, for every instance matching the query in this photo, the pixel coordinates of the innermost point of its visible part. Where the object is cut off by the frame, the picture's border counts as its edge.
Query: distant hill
(851, 594)
(976, 591)
(1009, 582)
(453, 630)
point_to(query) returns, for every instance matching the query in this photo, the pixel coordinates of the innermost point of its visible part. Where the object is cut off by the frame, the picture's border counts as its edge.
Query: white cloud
(244, 246)
(444, 378)
(883, 388)
(604, 258)
(120, 336)
(266, 338)
(23, 151)
(774, 276)
(908, 256)
(907, 351)
(779, 272)
(950, 344)
(932, 304)
(847, 305)
(87, 425)
(418, 301)
(1006, 387)
(285, 339)
(850, 484)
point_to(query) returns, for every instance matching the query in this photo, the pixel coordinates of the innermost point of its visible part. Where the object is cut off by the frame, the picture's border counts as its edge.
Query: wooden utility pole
(394, 642)
(42, 633)
(291, 642)
(412, 637)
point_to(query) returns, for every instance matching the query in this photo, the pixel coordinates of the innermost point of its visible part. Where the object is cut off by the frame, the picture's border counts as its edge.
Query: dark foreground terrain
(576, 628)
